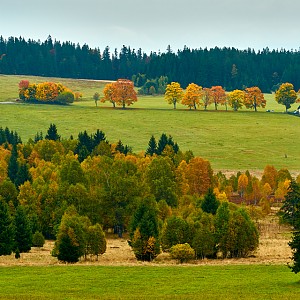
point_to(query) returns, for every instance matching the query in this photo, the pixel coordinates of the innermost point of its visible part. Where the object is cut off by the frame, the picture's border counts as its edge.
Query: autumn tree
(243, 182)
(218, 96)
(108, 94)
(174, 93)
(206, 97)
(236, 99)
(192, 96)
(286, 95)
(254, 98)
(124, 93)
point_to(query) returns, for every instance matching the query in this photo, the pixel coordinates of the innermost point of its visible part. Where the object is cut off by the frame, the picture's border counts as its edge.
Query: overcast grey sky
(155, 24)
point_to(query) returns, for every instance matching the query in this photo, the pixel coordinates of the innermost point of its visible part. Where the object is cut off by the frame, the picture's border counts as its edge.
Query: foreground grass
(202, 282)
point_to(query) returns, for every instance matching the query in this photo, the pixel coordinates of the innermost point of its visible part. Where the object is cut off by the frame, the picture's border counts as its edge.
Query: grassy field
(145, 282)
(229, 140)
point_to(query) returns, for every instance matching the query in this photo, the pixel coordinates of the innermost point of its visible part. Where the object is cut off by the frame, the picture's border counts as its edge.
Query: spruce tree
(23, 235)
(144, 231)
(152, 146)
(13, 166)
(210, 203)
(52, 133)
(6, 230)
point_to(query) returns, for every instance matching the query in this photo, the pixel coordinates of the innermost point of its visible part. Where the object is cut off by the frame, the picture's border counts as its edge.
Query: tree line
(227, 67)
(69, 189)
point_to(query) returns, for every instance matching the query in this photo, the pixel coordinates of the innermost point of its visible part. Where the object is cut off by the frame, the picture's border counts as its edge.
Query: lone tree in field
(174, 93)
(254, 98)
(120, 93)
(286, 95)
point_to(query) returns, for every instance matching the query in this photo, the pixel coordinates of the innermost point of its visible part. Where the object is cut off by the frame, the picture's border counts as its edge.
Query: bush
(182, 252)
(38, 239)
(65, 98)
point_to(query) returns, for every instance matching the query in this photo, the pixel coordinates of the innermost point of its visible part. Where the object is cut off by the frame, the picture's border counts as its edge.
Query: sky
(154, 24)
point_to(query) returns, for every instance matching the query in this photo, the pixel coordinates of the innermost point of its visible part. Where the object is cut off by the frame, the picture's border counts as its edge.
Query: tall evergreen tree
(6, 230)
(152, 146)
(23, 236)
(144, 231)
(52, 133)
(210, 203)
(13, 166)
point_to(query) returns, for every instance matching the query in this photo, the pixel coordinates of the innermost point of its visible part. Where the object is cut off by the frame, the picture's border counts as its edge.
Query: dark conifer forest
(229, 67)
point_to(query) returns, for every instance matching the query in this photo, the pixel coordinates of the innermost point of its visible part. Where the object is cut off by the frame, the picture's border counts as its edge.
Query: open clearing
(229, 140)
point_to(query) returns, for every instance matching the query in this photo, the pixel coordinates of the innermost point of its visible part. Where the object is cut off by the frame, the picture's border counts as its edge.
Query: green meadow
(148, 282)
(229, 140)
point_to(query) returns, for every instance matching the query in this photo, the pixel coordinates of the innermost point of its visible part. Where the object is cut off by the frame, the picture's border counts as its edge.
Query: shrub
(182, 252)
(38, 239)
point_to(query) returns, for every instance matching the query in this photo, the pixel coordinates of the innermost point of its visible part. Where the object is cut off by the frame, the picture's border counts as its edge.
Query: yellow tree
(192, 96)
(254, 98)
(218, 96)
(242, 184)
(174, 93)
(108, 94)
(124, 93)
(236, 99)
(286, 95)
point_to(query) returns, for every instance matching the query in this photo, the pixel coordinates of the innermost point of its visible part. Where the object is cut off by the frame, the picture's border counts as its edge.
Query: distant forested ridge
(228, 67)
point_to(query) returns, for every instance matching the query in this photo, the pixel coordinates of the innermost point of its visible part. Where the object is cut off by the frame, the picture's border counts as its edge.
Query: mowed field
(229, 140)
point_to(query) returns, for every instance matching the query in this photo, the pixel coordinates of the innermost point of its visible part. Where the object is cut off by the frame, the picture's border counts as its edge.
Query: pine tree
(210, 203)
(144, 231)
(6, 230)
(23, 236)
(152, 146)
(52, 133)
(13, 166)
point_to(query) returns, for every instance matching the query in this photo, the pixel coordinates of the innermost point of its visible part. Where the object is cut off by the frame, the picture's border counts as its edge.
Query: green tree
(23, 233)
(152, 146)
(70, 244)
(38, 239)
(204, 242)
(96, 97)
(52, 133)
(144, 231)
(96, 242)
(6, 230)
(175, 231)
(13, 166)
(210, 203)
(286, 95)
(290, 210)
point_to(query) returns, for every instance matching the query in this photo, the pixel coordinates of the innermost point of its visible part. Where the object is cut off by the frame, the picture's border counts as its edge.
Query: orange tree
(108, 94)
(254, 98)
(124, 93)
(286, 95)
(192, 96)
(218, 96)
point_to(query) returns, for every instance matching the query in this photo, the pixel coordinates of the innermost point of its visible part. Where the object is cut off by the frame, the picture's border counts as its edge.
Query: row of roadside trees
(122, 93)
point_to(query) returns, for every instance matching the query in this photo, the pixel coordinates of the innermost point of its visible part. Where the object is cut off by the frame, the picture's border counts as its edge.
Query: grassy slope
(205, 282)
(229, 140)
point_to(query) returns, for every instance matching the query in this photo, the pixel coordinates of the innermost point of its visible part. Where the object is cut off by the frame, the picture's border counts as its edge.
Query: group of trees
(46, 92)
(122, 190)
(227, 67)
